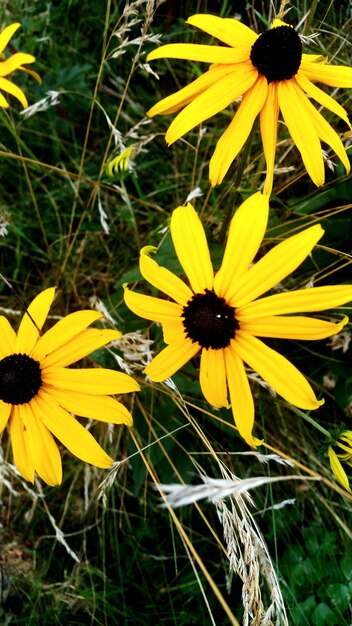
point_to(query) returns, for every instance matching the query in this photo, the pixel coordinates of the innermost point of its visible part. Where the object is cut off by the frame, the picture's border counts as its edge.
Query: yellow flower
(271, 73)
(221, 316)
(38, 393)
(10, 64)
(343, 442)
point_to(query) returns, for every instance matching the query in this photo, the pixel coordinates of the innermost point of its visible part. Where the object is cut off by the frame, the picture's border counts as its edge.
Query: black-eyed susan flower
(342, 454)
(38, 393)
(271, 73)
(9, 65)
(222, 315)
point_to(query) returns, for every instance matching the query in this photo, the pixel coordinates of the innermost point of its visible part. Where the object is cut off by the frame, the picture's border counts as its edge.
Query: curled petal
(337, 469)
(164, 280)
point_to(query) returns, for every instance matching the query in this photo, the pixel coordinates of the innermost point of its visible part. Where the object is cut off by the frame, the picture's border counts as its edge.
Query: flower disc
(20, 379)
(277, 53)
(208, 320)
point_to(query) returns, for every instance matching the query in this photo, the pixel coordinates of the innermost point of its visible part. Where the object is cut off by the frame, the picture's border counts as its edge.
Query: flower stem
(313, 422)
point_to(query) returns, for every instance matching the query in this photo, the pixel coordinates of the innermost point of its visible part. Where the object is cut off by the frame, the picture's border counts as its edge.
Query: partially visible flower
(13, 62)
(222, 315)
(121, 163)
(342, 454)
(38, 393)
(271, 73)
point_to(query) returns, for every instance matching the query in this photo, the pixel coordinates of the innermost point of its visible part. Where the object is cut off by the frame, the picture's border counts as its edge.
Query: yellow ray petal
(294, 327)
(196, 52)
(332, 75)
(69, 431)
(191, 247)
(11, 88)
(20, 449)
(171, 359)
(230, 31)
(151, 308)
(80, 346)
(327, 134)
(216, 98)
(307, 59)
(293, 105)
(5, 411)
(321, 97)
(7, 33)
(337, 469)
(269, 116)
(14, 62)
(63, 331)
(235, 136)
(163, 279)
(7, 338)
(173, 331)
(38, 309)
(299, 301)
(240, 394)
(246, 232)
(177, 100)
(278, 263)
(91, 381)
(3, 103)
(213, 377)
(102, 408)
(276, 370)
(42, 448)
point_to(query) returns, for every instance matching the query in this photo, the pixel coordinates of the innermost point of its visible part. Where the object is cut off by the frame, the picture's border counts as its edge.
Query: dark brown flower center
(20, 378)
(209, 320)
(277, 53)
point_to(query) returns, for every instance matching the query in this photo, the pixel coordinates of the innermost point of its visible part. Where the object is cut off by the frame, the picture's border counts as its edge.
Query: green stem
(313, 422)
(310, 17)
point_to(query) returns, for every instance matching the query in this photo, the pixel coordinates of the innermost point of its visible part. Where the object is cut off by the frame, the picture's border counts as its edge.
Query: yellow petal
(173, 331)
(213, 377)
(177, 100)
(11, 88)
(3, 103)
(102, 408)
(171, 359)
(327, 134)
(240, 394)
(7, 33)
(94, 381)
(14, 62)
(7, 338)
(196, 52)
(151, 308)
(268, 129)
(296, 113)
(42, 447)
(276, 370)
(216, 98)
(63, 331)
(5, 411)
(246, 233)
(163, 279)
(69, 431)
(235, 136)
(298, 327)
(308, 59)
(80, 346)
(20, 448)
(38, 310)
(332, 75)
(337, 469)
(321, 97)
(299, 301)
(191, 247)
(278, 263)
(230, 31)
